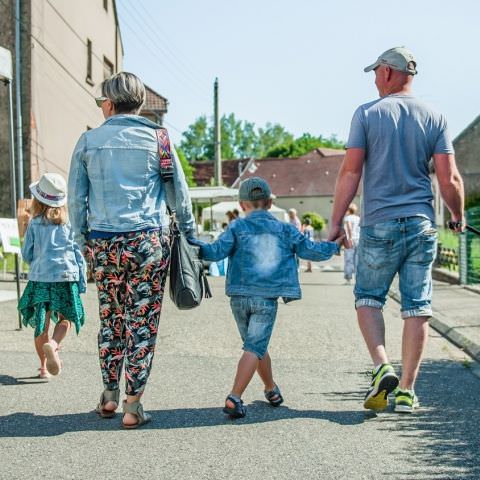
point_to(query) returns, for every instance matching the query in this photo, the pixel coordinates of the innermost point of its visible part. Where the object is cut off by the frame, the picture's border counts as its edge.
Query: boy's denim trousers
(255, 317)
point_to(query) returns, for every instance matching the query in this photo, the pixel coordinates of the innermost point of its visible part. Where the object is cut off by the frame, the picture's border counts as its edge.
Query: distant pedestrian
(391, 141)
(118, 205)
(261, 269)
(230, 216)
(56, 275)
(351, 223)
(307, 230)
(236, 213)
(293, 219)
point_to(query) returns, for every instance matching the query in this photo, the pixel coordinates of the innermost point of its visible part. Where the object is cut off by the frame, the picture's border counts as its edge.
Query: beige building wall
(320, 205)
(62, 97)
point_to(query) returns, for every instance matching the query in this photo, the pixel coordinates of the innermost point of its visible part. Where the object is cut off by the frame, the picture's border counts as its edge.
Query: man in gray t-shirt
(391, 142)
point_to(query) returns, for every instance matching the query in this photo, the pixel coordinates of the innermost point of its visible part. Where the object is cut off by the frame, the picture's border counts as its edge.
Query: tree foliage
(304, 144)
(318, 222)
(242, 139)
(186, 167)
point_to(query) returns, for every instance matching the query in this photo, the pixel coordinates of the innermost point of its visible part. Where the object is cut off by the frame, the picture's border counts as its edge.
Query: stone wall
(7, 40)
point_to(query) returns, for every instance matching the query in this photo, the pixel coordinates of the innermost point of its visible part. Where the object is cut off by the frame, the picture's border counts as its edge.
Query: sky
(299, 63)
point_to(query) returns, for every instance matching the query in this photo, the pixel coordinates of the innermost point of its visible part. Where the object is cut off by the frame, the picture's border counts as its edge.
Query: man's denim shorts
(406, 246)
(255, 317)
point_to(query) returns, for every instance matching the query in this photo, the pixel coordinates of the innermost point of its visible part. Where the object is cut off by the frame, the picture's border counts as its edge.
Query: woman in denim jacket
(57, 272)
(118, 209)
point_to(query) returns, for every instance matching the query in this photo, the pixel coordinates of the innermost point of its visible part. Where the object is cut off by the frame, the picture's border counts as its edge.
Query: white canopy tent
(218, 212)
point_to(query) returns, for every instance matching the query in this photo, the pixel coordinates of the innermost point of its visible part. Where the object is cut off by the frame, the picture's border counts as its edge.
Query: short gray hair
(126, 91)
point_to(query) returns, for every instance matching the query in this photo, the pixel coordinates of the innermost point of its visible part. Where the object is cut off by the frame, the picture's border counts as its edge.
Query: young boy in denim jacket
(262, 267)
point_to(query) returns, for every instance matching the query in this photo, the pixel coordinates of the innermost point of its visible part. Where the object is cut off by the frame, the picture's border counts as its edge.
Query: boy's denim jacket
(261, 252)
(52, 253)
(114, 183)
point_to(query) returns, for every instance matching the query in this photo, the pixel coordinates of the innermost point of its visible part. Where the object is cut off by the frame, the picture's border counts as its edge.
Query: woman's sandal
(135, 408)
(238, 411)
(274, 397)
(108, 396)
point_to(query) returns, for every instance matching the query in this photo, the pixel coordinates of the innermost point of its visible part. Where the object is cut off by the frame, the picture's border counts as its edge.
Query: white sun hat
(51, 190)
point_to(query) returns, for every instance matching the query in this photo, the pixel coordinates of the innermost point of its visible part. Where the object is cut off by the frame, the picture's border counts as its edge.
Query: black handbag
(188, 282)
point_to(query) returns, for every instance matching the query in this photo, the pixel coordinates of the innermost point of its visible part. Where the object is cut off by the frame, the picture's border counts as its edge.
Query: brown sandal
(108, 396)
(135, 408)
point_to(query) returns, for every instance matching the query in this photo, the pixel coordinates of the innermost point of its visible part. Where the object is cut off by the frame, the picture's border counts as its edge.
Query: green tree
(186, 167)
(318, 222)
(241, 139)
(304, 144)
(270, 137)
(196, 142)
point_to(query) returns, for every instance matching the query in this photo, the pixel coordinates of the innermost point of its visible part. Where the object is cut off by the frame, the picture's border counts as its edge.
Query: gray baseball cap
(398, 58)
(254, 188)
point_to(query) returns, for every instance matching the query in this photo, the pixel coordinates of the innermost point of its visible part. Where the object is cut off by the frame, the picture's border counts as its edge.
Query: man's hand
(340, 240)
(457, 226)
(334, 232)
(337, 234)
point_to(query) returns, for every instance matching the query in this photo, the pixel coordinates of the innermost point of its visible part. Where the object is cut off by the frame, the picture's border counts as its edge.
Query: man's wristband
(454, 225)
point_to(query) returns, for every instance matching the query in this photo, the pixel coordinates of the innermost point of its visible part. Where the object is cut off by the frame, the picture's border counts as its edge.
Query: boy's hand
(341, 240)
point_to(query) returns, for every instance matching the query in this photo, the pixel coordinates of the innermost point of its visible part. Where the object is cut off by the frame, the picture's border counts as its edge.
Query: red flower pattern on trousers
(130, 272)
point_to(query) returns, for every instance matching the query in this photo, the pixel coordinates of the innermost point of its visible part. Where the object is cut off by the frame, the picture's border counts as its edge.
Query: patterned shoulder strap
(165, 153)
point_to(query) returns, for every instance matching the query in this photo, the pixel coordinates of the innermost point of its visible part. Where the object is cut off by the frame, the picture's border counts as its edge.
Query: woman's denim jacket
(115, 185)
(261, 252)
(53, 254)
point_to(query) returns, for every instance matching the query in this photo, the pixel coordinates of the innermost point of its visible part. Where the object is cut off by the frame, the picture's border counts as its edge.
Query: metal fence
(447, 257)
(470, 250)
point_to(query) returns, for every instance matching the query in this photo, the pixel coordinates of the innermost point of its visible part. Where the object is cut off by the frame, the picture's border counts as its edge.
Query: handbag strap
(165, 153)
(166, 166)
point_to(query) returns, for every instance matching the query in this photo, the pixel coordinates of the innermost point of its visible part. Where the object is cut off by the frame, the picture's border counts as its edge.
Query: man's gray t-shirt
(399, 134)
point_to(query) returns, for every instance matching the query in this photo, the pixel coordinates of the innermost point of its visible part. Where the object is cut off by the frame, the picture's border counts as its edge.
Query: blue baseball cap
(254, 188)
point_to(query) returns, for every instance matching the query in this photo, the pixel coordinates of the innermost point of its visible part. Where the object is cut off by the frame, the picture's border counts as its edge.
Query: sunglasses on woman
(99, 100)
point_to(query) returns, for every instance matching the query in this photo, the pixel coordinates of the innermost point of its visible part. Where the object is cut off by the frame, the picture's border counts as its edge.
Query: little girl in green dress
(56, 275)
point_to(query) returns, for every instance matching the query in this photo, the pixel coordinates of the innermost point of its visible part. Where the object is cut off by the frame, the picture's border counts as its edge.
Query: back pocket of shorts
(376, 252)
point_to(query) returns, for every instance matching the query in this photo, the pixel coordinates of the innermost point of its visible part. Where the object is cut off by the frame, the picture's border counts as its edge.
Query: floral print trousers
(130, 272)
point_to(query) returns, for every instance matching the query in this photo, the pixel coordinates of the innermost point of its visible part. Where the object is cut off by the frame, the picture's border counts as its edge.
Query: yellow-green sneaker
(405, 401)
(384, 381)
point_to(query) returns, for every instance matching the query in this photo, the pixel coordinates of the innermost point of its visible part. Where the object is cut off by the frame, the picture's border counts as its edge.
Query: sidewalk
(455, 314)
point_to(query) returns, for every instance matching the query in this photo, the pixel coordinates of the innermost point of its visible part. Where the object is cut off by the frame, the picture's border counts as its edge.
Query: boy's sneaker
(384, 381)
(405, 401)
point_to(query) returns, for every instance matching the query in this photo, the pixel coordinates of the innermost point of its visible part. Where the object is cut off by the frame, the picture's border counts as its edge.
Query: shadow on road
(7, 380)
(446, 429)
(30, 425)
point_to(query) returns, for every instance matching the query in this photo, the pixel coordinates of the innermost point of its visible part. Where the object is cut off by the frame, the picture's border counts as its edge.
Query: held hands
(341, 240)
(337, 234)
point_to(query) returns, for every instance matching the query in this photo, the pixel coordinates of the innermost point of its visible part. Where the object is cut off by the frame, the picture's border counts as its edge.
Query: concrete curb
(459, 340)
(444, 275)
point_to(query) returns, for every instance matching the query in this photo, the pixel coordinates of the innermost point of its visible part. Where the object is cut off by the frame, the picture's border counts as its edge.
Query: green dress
(61, 298)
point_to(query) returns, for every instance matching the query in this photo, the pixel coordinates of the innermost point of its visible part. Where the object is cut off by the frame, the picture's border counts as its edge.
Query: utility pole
(18, 95)
(217, 140)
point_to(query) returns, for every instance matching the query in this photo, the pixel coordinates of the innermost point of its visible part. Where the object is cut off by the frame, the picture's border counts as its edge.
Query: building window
(107, 68)
(105, 5)
(89, 79)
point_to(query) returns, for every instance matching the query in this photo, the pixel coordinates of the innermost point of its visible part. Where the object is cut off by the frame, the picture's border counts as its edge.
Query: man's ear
(242, 205)
(388, 73)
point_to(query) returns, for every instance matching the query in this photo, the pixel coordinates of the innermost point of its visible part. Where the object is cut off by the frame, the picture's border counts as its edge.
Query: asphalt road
(47, 430)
